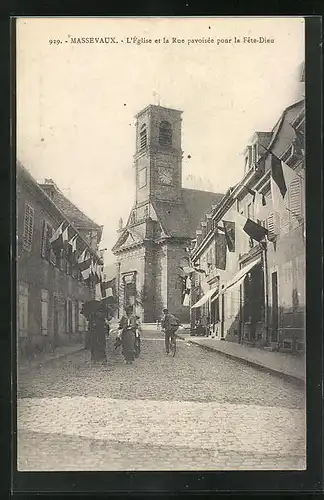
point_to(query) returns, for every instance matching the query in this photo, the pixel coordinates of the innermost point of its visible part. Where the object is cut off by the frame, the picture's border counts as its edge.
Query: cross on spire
(157, 98)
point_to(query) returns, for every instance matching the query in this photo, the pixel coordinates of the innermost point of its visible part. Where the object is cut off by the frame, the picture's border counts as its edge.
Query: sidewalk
(281, 364)
(44, 358)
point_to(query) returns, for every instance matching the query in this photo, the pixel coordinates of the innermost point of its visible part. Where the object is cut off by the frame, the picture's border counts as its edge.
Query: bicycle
(173, 344)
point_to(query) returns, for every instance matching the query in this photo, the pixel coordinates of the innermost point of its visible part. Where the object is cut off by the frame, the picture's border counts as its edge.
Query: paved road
(199, 411)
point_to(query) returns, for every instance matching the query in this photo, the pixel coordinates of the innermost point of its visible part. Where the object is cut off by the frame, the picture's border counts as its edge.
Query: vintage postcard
(160, 244)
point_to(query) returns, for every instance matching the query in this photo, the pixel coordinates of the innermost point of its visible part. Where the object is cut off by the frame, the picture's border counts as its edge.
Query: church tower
(158, 156)
(162, 222)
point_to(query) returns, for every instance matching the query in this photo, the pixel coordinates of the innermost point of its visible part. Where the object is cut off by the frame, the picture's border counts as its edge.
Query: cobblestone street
(198, 411)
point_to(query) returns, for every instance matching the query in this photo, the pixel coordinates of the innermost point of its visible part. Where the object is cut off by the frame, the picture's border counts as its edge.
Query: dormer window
(251, 157)
(165, 134)
(254, 154)
(143, 136)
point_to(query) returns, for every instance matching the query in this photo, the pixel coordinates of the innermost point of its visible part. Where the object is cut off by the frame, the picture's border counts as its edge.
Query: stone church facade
(162, 222)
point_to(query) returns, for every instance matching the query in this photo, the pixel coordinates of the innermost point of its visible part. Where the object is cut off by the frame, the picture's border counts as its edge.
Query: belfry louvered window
(165, 134)
(28, 227)
(143, 137)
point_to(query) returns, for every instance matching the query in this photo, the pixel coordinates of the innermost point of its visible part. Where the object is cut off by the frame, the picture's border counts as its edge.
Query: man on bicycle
(170, 325)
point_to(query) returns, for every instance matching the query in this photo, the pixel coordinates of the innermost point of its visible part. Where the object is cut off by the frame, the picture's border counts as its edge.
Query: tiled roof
(79, 219)
(23, 173)
(182, 219)
(197, 204)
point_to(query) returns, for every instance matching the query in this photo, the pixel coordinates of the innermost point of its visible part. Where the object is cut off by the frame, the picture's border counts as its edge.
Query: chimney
(199, 237)
(203, 229)
(209, 222)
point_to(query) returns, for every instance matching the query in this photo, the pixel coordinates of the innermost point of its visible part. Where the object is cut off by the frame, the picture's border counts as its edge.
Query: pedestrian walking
(98, 336)
(128, 326)
(170, 325)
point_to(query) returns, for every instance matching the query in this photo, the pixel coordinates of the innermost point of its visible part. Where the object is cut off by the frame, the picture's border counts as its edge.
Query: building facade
(50, 288)
(162, 222)
(253, 291)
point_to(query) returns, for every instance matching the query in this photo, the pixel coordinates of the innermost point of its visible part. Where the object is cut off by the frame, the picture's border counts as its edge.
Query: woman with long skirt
(128, 325)
(98, 337)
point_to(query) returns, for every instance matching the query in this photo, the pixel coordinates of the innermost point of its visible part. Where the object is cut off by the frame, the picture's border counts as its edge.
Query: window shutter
(272, 224)
(295, 202)
(73, 315)
(44, 240)
(143, 137)
(28, 227)
(23, 311)
(51, 253)
(44, 311)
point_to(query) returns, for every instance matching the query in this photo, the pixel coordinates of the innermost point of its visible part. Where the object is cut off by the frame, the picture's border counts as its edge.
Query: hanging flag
(281, 177)
(86, 273)
(251, 228)
(300, 140)
(108, 288)
(220, 251)
(186, 300)
(56, 240)
(84, 261)
(229, 228)
(72, 247)
(220, 230)
(98, 272)
(259, 202)
(65, 237)
(82, 257)
(186, 288)
(251, 191)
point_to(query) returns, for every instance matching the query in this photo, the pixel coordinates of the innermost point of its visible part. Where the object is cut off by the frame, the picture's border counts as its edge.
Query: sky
(76, 101)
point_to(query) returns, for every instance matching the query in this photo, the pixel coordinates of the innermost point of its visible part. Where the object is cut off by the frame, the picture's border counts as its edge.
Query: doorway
(275, 307)
(56, 320)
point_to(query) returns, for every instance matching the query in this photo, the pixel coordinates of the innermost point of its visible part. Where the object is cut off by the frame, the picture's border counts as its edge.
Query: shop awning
(239, 277)
(205, 297)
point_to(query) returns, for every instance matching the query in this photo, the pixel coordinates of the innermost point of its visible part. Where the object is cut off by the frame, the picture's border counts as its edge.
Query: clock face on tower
(165, 175)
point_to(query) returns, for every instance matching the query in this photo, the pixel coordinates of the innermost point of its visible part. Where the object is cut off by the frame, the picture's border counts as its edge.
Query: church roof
(182, 219)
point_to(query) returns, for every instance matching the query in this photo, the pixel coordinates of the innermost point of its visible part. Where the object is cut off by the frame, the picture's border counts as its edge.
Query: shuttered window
(46, 249)
(80, 318)
(44, 312)
(28, 227)
(23, 311)
(295, 201)
(143, 137)
(272, 224)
